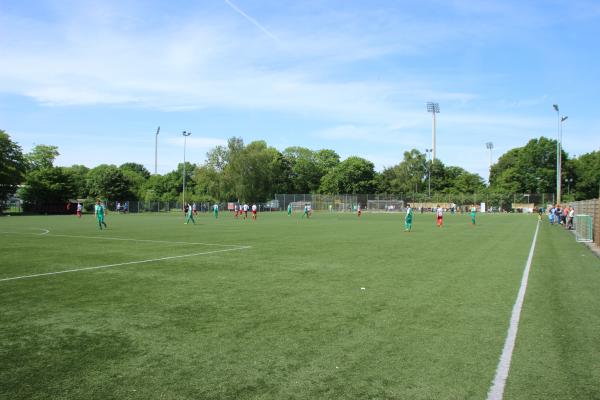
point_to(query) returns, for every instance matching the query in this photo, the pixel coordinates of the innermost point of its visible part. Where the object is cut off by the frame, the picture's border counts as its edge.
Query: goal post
(584, 228)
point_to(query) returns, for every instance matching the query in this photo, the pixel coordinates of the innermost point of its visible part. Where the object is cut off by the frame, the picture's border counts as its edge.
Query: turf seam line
(496, 391)
(121, 264)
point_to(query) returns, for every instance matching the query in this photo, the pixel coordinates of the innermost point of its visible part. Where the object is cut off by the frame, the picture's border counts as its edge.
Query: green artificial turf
(287, 318)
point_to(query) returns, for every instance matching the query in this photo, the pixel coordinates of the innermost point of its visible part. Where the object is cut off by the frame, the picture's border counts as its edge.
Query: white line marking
(496, 392)
(45, 232)
(121, 264)
(123, 239)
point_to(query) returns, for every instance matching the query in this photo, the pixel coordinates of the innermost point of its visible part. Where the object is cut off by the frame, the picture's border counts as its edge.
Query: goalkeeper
(408, 219)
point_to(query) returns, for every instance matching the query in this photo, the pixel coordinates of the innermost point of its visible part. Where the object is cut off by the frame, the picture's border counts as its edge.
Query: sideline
(496, 391)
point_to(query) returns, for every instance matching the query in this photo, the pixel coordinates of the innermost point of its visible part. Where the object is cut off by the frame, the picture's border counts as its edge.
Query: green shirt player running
(473, 212)
(99, 213)
(290, 209)
(408, 219)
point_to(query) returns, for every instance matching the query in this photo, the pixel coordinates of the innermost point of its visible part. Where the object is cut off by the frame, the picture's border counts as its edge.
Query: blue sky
(97, 78)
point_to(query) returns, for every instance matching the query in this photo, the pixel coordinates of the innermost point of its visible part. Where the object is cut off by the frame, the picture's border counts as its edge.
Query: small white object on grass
(362, 288)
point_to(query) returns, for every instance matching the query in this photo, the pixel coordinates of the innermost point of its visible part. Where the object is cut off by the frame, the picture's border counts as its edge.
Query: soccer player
(236, 210)
(216, 210)
(440, 216)
(289, 209)
(190, 215)
(245, 208)
(194, 209)
(254, 212)
(306, 212)
(358, 211)
(99, 213)
(408, 219)
(79, 208)
(473, 212)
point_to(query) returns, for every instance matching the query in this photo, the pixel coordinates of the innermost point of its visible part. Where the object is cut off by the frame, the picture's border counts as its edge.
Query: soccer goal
(584, 228)
(299, 205)
(385, 205)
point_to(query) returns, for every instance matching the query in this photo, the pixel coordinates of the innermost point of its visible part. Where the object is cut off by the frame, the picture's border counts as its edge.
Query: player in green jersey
(99, 213)
(473, 212)
(408, 219)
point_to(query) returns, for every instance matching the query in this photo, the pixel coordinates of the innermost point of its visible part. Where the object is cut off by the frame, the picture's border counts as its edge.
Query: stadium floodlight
(490, 146)
(433, 108)
(156, 151)
(185, 135)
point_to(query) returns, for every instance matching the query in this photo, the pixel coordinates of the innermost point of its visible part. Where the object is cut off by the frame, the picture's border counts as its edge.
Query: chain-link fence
(591, 208)
(323, 202)
(396, 202)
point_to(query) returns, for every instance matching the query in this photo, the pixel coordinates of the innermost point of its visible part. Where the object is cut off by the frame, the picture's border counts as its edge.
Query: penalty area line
(122, 264)
(496, 391)
(47, 233)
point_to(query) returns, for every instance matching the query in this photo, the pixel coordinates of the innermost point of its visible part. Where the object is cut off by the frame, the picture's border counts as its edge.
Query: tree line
(254, 172)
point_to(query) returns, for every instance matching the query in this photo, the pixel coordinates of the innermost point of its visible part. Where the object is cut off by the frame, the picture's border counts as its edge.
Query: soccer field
(334, 307)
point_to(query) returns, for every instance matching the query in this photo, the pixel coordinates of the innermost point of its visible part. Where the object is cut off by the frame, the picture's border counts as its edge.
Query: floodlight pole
(429, 152)
(433, 108)
(185, 135)
(562, 119)
(156, 151)
(558, 158)
(490, 146)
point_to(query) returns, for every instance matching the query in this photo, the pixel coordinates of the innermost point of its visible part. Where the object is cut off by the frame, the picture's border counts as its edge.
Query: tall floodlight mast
(559, 122)
(185, 135)
(156, 151)
(490, 146)
(433, 108)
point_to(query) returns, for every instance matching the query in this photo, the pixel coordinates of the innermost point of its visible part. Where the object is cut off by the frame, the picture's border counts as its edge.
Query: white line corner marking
(125, 263)
(497, 390)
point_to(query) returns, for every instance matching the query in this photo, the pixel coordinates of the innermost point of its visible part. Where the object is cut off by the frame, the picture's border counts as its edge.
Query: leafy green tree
(460, 181)
(208, 182)
(42, 156)
(108, 181)
(135, 167)
(47, 189)
(78, 176)
(155, 188)
(408, 176)
(587, 170)
(257, 172)
(136, 174)
(305, 174)
(528, 169)
(12, 166)
(353, 175)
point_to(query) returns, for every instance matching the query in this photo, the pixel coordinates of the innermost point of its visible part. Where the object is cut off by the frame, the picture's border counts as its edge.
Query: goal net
(385, 205)
(584, 228)
(299, 205)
